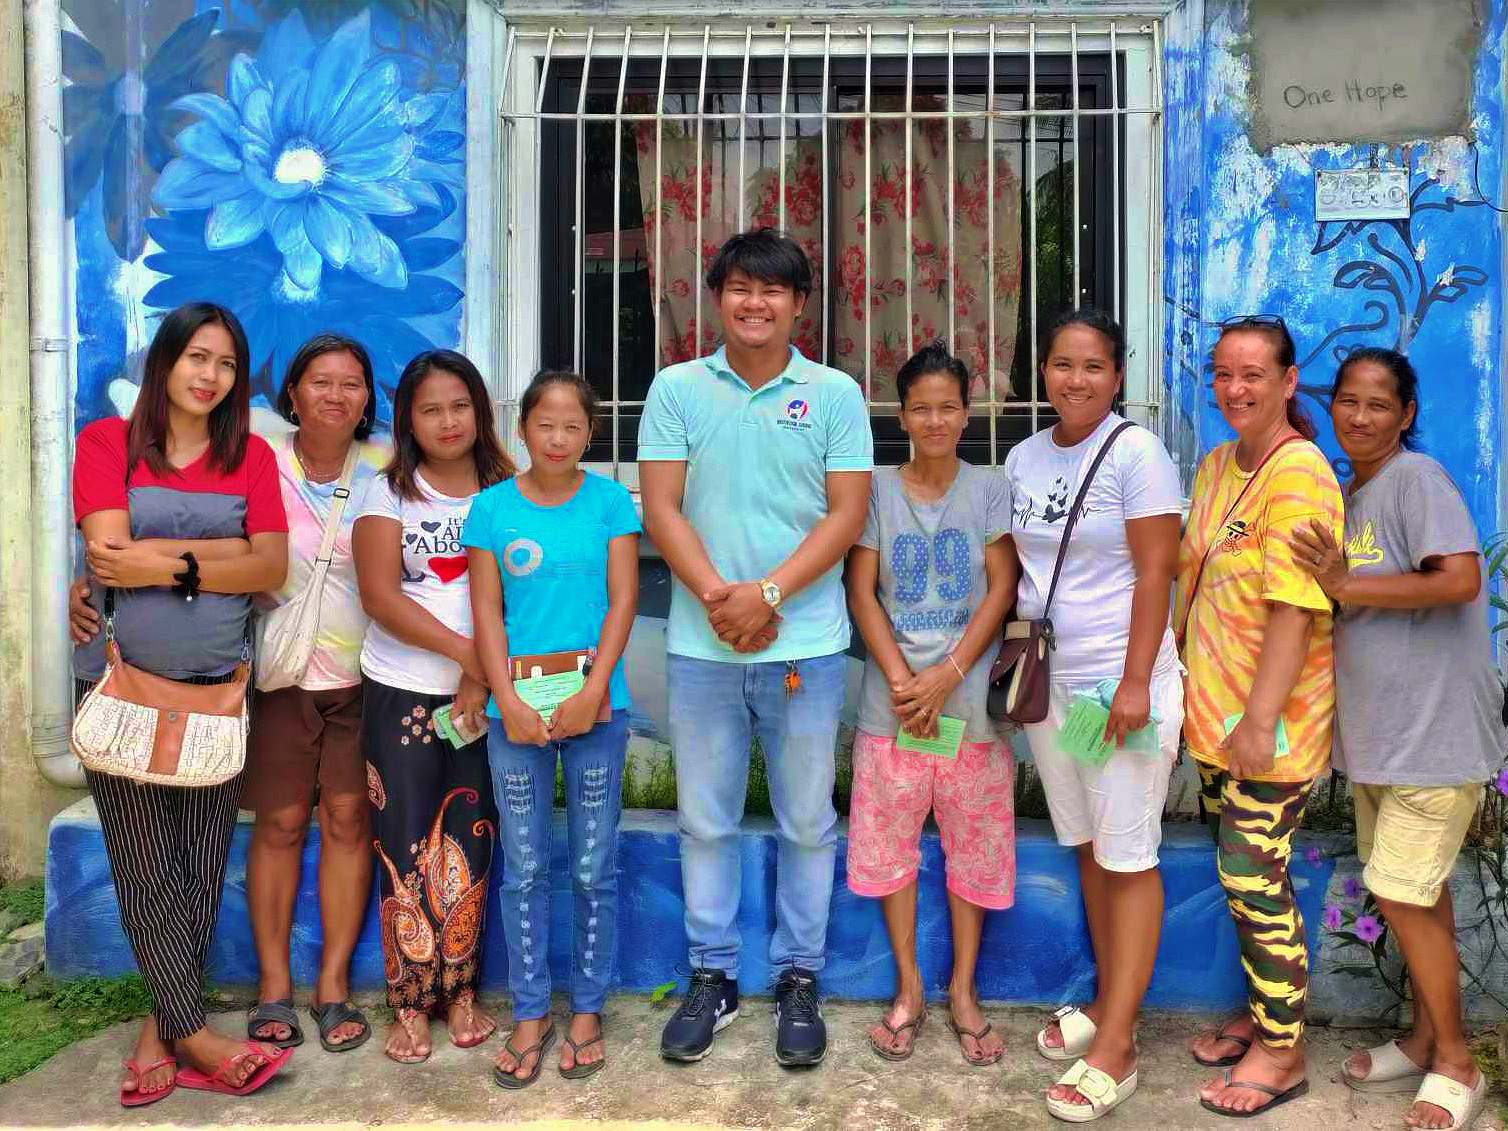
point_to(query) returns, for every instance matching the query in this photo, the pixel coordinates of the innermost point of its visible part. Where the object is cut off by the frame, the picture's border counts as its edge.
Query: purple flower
(1502, 782)
(1312, 855)
(1332, 917)
(1352, 887)
(1368, 929)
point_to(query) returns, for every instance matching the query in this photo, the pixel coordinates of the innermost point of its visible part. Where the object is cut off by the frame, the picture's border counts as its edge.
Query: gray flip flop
(334, 1014)
(508, 1079)
(274, 1013)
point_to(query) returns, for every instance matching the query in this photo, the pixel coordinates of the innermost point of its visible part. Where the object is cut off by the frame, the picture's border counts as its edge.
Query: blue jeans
(716, 710)
(523, 779)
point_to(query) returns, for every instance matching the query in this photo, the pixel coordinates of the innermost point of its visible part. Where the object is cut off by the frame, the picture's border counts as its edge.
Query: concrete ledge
(1035, 953)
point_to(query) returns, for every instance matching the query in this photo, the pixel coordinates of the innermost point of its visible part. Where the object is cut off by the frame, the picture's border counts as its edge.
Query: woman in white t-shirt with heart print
(1110, 616)
(432, 806)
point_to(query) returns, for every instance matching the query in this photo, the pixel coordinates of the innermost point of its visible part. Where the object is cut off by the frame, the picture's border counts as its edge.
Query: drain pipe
(51, 420)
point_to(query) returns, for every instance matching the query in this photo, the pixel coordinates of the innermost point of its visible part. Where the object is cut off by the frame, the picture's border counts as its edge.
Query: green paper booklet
(1280, 736)
(1082, 736)
(945, 745)
(546, 692)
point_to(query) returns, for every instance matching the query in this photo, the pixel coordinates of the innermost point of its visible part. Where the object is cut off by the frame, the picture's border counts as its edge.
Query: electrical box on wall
(1361, 194)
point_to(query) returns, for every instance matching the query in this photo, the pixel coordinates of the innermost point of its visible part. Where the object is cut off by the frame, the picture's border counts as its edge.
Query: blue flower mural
(279, 315)
(105, 104)
(303, 165)
(312, 144)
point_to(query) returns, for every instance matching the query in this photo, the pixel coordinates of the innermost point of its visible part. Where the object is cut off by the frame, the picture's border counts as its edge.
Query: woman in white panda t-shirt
(1110, 617)
(432, 804)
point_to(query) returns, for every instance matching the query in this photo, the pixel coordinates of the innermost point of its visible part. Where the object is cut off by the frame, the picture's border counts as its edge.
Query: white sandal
(1078, 1034)
(1102, 1092)
(1391, 1071)
(1461, 1103)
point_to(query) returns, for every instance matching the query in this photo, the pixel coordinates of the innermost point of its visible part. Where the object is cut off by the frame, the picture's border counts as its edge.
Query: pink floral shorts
(972, 798)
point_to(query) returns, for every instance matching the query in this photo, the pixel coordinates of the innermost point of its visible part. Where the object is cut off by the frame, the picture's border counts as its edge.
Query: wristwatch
(770, 592)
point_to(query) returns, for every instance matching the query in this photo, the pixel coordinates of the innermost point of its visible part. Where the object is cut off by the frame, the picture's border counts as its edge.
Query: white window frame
(505, 245)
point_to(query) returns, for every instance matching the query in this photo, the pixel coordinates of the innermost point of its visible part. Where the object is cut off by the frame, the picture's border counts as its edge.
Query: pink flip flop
(220, 1081)
(135, 1097)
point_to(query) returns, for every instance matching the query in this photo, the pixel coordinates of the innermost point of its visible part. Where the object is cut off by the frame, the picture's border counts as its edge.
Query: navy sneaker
(709, 1007)
(800, 1032)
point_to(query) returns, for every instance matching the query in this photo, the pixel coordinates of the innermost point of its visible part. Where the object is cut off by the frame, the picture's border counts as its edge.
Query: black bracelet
(188, 580)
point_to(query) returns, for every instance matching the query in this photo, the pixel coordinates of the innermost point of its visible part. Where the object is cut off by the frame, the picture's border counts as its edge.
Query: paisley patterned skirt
(435, 822)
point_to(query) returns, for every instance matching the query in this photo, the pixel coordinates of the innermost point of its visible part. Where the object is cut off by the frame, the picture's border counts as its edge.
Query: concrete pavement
(739, 1085)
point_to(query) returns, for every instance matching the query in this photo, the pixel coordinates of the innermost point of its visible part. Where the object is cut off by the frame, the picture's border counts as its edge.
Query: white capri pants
(1119, 806)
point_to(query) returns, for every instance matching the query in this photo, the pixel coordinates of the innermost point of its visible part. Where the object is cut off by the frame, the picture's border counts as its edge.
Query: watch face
(771, 592)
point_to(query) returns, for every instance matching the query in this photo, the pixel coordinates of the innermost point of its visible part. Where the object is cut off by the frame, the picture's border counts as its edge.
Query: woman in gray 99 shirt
(1417, 713)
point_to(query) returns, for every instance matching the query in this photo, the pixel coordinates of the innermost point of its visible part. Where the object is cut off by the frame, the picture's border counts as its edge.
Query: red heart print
(448, 569)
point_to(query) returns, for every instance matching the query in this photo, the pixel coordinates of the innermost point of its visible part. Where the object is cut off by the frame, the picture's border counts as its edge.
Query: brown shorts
(300, 738)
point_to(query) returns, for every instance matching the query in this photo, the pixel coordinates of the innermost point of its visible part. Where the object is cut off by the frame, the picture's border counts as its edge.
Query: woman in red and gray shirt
(181, 487)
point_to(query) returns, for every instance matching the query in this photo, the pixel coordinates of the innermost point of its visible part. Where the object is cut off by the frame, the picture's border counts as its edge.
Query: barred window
(962, 184)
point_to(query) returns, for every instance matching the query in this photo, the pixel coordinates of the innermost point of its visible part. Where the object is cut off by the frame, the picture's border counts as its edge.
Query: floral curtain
(944, 273)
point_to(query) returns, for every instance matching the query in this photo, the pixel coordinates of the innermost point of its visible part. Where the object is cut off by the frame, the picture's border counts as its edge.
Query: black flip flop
(334, 1014)
(1225, 1061)
(274, 1013)
(1278, 1098)
(915, 1025)
(508, 1079)
(579, 1071)
(960, 1032)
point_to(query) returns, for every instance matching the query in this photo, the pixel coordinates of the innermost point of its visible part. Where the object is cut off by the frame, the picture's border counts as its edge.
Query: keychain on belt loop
(792, 679)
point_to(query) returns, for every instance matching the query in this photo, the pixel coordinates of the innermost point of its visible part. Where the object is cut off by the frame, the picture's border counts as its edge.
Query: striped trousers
(1253, 825)
(167, 848)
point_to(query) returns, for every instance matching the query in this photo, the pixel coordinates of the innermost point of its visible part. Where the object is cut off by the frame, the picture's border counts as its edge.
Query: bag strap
(1078, 505)
(1188, 610)
(337, 506)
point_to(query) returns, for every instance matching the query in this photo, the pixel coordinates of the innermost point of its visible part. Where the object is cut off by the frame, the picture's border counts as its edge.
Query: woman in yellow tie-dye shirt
(1255, 633)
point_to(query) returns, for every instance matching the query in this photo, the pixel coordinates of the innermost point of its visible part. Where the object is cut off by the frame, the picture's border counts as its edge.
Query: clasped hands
(918, 700)
(740, 617)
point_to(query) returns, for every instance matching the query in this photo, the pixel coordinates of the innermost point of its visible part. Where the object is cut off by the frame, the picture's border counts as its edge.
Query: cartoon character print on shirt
(1235, 536)
(932, 576)
(435, 547)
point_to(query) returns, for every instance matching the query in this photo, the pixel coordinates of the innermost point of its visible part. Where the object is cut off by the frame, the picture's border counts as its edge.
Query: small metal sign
(1361, 194)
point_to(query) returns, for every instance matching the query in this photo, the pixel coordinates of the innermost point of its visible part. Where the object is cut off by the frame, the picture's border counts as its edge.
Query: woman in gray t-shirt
(1418, 725)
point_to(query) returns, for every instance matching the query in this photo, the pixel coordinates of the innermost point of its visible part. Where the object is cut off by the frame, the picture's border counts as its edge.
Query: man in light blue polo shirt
(754, 465)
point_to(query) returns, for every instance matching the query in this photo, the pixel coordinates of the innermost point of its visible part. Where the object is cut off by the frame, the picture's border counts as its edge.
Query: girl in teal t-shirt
(554, 561)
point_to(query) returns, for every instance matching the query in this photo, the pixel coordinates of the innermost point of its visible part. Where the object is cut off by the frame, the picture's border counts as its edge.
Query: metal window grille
(1070, 110)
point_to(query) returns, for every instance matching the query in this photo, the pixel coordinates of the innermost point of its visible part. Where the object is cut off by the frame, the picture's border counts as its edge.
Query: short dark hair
(1405, 382)
(1096, 320)
(316, 347)
(573, 381)
(1275, 330)
(492, 462)
(932, 358)
(763, 254)
(229, 421)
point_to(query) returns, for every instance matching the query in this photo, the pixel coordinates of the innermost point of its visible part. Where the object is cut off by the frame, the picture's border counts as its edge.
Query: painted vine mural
(302, 164)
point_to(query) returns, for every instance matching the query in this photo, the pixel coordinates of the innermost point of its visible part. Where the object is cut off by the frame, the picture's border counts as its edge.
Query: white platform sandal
(1391, 1071)
(1102, 1092)
(1078, 1034)
(1463, 1104)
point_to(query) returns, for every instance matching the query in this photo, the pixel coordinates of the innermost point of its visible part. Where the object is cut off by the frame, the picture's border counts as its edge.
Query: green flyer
(546, 692)
(945, 745)
(1082, 736)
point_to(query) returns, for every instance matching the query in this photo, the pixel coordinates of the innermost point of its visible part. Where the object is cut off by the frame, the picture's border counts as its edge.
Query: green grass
(43, 1017)
(23, 900)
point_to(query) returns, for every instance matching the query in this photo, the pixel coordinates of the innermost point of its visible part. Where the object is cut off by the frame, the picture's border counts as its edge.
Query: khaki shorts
(301, 739)
(1409, 836)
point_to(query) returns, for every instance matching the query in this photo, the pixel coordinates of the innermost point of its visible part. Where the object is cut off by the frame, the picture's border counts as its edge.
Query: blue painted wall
(1034, 953)
(1241, 238)
(303, 164)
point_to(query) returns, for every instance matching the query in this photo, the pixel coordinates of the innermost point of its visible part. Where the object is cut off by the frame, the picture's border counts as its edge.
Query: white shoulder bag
(285, 637)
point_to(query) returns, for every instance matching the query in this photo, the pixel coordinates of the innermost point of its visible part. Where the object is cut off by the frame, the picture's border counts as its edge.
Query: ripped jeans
(523, 779)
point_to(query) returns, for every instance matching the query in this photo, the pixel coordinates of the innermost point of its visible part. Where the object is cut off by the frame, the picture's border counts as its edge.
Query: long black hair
(1405, 383)
(316, 347)
(229, 421)
(492, 463)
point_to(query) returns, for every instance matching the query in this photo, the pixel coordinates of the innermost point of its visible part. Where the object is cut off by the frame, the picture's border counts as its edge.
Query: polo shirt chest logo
(794, 417)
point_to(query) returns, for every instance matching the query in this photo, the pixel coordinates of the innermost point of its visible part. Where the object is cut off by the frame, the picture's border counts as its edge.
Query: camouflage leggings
(1253, 825)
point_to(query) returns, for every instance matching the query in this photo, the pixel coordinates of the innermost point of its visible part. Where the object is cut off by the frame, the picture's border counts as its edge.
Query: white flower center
(131, 94)
(290, 292)
(298, 162)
